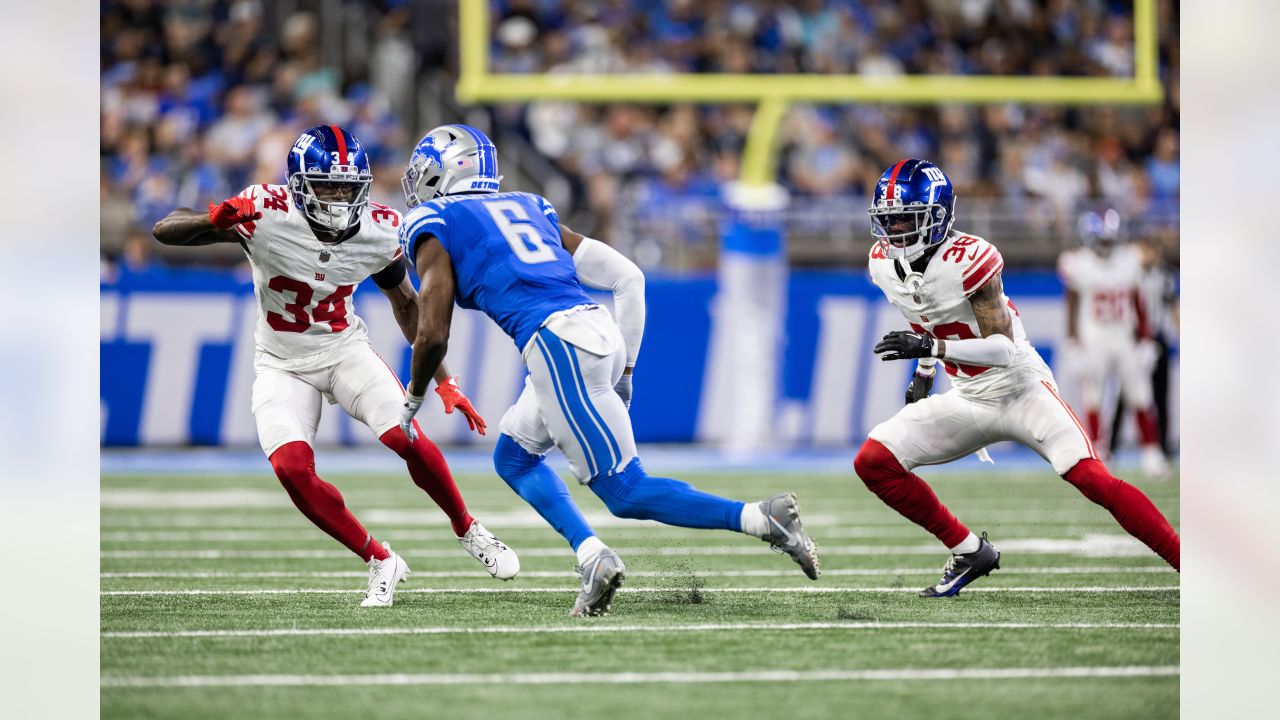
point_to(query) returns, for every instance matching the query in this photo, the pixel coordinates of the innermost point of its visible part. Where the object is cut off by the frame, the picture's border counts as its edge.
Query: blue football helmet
(913, 208)
(329, 177)
(451, 159)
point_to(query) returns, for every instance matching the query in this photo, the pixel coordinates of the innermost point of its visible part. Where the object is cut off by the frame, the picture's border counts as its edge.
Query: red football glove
(232, 212)
(452, 397)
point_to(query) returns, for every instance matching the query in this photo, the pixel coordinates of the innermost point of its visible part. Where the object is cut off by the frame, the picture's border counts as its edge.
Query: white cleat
(384, 575)
(1154, 464)
(497, 558)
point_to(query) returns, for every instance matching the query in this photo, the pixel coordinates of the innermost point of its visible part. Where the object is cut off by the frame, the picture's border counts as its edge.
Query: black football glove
(920, 387)
(904, 345)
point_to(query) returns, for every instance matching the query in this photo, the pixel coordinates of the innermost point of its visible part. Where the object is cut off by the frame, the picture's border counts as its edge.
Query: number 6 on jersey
(513, 222)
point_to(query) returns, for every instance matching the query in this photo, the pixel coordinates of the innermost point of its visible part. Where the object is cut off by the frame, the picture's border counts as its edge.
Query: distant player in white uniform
(310, 243)
(948, 286)
(1109, 328)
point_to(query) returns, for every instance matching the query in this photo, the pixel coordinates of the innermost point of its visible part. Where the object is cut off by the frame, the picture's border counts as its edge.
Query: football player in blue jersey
(505, 254)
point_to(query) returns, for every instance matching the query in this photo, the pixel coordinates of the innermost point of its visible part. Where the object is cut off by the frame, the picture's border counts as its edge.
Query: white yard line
(706, 627)
(1092, 545)
(1016, 673)
(479, 574)
(636, 531)
(632, 529)
(207, 508)
(709, 590)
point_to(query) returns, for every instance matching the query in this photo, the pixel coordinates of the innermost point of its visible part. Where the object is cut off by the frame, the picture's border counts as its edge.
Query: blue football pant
(569, 402)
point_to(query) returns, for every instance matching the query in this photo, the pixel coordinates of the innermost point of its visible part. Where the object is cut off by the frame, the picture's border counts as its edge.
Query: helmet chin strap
(911, 279)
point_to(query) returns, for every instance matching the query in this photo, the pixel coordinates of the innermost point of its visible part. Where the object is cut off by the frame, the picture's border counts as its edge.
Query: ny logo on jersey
(319, 277)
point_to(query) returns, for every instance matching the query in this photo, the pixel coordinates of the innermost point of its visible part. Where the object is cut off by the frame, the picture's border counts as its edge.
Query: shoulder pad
(976, 260)
(419, 219)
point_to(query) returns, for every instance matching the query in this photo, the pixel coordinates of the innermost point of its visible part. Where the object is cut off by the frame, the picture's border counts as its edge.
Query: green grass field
(221, 601)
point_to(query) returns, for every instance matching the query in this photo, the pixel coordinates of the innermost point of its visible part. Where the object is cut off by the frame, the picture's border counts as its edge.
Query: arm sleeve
(603, 268)
(991, 351)
(391, 275)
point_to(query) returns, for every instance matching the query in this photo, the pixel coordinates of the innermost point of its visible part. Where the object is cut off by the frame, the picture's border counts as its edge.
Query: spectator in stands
(197, 96)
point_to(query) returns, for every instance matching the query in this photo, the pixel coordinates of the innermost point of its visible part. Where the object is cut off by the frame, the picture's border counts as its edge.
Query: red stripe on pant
(907, 493)
(1079, 426)
(295, 465)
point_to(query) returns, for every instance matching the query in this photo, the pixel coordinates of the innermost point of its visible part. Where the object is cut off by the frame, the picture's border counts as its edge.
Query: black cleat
(961, 570)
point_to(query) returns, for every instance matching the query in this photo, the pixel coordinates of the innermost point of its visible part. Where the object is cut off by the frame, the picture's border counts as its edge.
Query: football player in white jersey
(1108, 327)
(310, 243)
(948, 286)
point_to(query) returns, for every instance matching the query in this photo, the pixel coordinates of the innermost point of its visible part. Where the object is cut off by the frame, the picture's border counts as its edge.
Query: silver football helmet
(451, 159)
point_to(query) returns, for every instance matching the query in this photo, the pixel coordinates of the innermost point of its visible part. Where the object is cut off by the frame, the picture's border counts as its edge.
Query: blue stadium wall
(177, 360)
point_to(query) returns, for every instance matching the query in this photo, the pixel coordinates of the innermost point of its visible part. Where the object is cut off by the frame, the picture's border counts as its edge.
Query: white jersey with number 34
(303, 286)
(940, 307)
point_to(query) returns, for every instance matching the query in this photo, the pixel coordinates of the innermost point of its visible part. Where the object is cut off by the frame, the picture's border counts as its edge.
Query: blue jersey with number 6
(508, 259)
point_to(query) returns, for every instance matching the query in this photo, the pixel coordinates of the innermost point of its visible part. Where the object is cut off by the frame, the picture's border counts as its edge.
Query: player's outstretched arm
(185, 226)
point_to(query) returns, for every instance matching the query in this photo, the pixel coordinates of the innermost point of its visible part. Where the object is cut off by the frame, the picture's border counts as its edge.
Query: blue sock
(634, 494)
(538, 484)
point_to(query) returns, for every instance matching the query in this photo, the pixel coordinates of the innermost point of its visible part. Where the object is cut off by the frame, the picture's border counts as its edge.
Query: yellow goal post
(773, 94)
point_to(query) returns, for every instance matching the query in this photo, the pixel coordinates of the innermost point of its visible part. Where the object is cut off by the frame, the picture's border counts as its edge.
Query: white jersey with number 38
(939, 306)
(303, 286)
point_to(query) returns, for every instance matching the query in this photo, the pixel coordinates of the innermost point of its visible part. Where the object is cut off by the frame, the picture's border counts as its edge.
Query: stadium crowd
(201, 97)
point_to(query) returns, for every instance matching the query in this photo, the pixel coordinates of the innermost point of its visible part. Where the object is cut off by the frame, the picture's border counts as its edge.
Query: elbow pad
(992, 351)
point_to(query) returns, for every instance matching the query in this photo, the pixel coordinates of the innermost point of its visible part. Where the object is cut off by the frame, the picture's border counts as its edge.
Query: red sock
(907, 493)
(295, 465)
(431, 473)
(1094, 422)
(1131, 508)
(1147, 427)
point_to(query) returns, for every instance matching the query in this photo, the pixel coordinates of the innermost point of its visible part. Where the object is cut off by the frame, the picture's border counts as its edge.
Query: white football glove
(623, 388)
(411, 405)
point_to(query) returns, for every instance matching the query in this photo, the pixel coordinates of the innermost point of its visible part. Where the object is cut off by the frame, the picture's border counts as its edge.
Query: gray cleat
(601, 578)
(787, 535)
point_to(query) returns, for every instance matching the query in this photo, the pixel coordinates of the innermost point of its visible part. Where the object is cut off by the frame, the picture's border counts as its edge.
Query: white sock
(754, 522)
(966, 546)
(589, 549)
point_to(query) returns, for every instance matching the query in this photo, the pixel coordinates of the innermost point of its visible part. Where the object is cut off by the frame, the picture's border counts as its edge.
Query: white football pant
(286, 404)
(568, 399)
